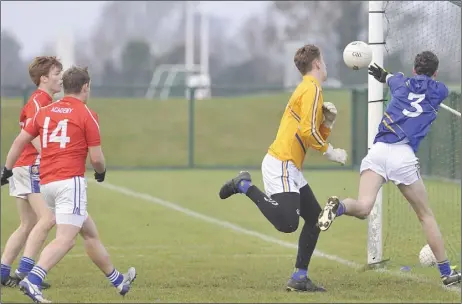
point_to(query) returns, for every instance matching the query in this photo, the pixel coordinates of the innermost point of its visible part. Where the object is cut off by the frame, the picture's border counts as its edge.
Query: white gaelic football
(357, 55)
(426, 257)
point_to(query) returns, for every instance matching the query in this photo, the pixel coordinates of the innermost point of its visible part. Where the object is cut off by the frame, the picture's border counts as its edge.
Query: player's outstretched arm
(378, 73)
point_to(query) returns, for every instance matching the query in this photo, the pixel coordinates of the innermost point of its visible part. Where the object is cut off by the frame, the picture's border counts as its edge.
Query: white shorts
(281, 176)
(25, 180)
(68, 199)
(394, 162)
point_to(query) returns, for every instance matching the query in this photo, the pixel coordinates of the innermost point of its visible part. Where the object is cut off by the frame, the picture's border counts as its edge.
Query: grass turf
(185, 259)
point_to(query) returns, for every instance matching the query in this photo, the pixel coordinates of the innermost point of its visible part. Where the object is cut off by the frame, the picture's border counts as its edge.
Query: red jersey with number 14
(37, 100)
(66, 128)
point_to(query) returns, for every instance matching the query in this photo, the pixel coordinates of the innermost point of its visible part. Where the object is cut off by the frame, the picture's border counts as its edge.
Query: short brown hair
(305, 56)
(426, 63)
(41, 66)
(74, 79)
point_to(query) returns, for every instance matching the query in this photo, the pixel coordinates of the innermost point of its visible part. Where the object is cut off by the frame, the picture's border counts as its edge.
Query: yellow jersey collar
(312, 79)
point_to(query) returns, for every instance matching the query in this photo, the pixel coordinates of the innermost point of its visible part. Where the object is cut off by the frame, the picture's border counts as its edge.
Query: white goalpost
(197, 75)
(375, 112)
(64, 48)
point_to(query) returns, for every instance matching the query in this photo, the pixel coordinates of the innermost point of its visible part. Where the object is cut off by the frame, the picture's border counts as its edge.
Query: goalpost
(197, 75)
(398, 30)
(375, 112)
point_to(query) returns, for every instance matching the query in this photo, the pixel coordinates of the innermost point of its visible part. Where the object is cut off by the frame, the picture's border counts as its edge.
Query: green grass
(182, 259)
(185, 259)
(158, 130)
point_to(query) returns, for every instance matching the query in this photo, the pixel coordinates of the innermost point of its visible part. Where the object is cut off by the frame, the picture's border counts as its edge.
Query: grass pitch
(182, 258)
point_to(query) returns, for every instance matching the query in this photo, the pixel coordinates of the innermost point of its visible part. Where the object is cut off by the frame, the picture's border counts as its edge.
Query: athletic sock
(37, 275)
(445, 268)
(6, 269)
(341, 209)
(299, 274)
(26, 265)
(115, 277)
(244, 186)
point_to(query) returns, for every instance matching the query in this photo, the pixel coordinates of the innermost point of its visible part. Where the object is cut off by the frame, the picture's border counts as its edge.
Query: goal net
(410, 28)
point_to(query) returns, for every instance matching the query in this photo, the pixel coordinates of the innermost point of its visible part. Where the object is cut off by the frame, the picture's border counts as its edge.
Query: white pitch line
(267, 238)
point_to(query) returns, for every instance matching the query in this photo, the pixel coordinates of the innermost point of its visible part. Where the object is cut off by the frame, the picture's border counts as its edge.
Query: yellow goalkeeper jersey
(301, 124)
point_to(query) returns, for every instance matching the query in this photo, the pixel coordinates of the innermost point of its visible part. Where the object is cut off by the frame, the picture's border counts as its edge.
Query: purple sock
(445, 268)
(300, 274)
(6, 269)
(243, 186)
(341, 209)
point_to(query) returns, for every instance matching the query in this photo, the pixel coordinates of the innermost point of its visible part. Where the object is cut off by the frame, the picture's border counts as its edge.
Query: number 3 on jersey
(415, 104)
(62, 139)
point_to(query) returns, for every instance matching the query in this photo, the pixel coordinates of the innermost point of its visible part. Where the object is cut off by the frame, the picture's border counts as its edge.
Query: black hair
(426, 63)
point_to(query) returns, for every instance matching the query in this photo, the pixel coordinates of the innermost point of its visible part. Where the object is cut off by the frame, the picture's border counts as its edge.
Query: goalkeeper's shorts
(281, 176)
(394, 162)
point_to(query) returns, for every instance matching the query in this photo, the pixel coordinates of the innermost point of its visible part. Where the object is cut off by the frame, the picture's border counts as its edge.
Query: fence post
(191, 139)
(25, 94)
(354, 128)
(453, 162)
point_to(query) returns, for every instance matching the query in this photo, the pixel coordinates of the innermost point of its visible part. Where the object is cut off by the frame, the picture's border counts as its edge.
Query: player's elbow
(22, 139)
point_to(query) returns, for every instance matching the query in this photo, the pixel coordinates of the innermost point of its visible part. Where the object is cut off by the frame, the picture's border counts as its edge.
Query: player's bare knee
(363, 211)
(47, 222)
(425, 214)
(26, 227)
(27, 224)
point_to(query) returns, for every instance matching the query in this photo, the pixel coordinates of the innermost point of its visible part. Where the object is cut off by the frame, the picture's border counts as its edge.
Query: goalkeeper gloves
(336, 155)
(378, 73)
(6, 174)
(330, 113)
(100, 176)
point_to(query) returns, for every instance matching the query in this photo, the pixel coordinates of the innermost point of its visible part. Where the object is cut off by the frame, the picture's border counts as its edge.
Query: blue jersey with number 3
(413, 108)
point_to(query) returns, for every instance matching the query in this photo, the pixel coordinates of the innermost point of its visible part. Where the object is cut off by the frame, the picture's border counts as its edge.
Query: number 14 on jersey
(59, 134)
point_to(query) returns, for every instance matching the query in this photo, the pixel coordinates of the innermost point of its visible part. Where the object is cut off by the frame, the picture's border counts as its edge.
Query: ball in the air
(426, 257)
(357, 55)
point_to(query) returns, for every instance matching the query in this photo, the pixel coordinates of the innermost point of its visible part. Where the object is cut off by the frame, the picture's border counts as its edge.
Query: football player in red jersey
(68, 131)
(36, 219)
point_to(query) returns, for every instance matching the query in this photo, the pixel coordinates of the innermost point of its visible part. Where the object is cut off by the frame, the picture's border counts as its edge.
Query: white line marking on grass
(267, 238)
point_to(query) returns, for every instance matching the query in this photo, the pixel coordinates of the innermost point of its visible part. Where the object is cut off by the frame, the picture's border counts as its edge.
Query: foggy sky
(35, 23)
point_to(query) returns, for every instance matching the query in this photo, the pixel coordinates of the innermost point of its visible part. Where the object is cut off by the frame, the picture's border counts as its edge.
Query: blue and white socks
(37, 275)
(26, 265)
(115, 277)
